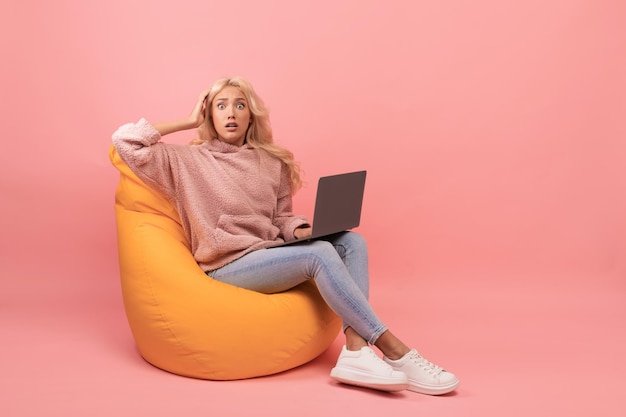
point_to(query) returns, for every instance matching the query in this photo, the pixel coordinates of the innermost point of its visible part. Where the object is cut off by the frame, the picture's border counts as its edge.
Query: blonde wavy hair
(259, 133)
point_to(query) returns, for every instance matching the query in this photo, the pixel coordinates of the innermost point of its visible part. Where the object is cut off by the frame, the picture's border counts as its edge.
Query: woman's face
(231, 115)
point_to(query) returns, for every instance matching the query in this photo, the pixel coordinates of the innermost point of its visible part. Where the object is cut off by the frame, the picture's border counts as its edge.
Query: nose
(231, 112)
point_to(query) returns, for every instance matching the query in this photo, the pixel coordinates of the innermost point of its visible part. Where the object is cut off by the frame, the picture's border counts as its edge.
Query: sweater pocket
(235, 233)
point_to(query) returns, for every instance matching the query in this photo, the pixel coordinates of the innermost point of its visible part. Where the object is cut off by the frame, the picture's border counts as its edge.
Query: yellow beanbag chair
(190, 324)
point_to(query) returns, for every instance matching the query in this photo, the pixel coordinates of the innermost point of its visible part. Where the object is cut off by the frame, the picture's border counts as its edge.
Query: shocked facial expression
(231, 115)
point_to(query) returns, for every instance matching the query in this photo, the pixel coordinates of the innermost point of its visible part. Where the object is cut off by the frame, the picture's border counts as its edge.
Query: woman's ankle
(353, 340)
(392, 347)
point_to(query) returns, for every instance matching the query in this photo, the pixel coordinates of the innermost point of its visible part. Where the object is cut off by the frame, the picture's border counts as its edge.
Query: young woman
(233, 191)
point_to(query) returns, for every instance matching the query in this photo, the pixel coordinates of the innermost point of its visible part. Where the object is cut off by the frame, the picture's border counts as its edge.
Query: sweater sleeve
(138, 144)
(285, 220)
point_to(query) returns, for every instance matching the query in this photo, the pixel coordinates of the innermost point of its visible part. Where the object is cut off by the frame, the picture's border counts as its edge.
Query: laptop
(337, 205)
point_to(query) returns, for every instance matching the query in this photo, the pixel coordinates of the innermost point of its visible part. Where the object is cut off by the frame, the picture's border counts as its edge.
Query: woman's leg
(339, 267)
(423, 376)
(352, 250)
(343, 282)
(330, 263)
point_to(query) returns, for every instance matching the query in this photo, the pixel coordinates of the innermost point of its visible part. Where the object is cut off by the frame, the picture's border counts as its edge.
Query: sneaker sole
(366, 380)
(433, 390)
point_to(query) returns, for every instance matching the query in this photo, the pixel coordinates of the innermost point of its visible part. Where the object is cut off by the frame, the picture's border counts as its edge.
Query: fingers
(204, 95)
(197, 115)
(302, 232)
(202, 101)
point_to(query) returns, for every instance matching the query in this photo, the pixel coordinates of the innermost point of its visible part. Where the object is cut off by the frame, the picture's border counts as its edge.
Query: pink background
(494, 138)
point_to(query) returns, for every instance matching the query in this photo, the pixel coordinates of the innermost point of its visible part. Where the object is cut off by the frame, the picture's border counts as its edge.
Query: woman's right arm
(134, 140)
(194, 120)
(135, 143)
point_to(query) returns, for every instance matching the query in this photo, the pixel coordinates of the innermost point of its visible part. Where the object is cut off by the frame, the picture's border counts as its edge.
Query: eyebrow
(226, 99)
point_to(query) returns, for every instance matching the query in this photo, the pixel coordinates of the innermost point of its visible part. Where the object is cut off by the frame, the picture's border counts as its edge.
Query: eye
(240, 106)
(221, 106)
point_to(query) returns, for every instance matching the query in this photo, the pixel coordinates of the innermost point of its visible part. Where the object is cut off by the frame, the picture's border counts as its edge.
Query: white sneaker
(424, 377)
(364, 368)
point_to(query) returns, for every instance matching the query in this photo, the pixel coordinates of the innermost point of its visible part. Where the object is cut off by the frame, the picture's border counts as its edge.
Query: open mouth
(232, 126)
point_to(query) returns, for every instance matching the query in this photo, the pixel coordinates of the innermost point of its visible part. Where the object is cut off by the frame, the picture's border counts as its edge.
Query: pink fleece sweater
(231, 200)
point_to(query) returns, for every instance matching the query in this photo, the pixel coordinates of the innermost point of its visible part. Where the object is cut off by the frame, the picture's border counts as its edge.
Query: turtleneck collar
(216, 145)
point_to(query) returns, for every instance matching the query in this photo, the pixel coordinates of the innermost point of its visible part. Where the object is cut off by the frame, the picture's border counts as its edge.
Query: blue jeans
(338, 265)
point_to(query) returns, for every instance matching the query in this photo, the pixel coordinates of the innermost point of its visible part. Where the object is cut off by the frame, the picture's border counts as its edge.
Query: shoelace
(426, 365)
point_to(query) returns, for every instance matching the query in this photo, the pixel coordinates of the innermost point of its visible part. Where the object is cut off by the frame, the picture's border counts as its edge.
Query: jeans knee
(323, 253)
(322, 249)
(356, 241)
(351, 243)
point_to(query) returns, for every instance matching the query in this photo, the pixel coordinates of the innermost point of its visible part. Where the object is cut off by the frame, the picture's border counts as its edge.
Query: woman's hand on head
(196, 118)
